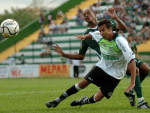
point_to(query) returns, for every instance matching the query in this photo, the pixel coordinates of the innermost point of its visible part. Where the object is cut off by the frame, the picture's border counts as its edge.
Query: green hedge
(34, 26)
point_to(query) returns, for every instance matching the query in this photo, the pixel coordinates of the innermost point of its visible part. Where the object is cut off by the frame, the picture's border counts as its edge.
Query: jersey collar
(93, 27)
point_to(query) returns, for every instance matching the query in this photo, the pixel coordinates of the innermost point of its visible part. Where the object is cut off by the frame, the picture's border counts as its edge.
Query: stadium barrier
(59, 70)
(19, 71)
(43, 70)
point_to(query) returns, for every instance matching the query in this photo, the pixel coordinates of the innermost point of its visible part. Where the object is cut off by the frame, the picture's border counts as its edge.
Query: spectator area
(68, 42)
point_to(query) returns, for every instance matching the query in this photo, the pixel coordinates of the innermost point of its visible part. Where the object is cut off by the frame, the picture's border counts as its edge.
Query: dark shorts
(106, 83)
(138, 62)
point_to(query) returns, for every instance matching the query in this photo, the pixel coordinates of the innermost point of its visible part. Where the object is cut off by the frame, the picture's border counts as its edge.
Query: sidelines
(42, 70)
(32, 92)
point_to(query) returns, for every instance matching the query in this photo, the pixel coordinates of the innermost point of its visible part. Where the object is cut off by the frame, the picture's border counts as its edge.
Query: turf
(29, 95)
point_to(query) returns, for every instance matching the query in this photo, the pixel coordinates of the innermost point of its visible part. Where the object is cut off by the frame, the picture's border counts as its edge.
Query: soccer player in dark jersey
(92, 21)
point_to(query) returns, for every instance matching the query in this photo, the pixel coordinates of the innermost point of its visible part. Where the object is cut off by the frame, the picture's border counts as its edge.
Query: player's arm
(92, 35)
(132, 69)
(74, 56)
(82, 37)
(57, 49)
(129, 57)
(121, 25)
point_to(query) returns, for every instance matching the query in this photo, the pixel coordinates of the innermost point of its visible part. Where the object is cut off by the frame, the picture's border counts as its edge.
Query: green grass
(29, 95)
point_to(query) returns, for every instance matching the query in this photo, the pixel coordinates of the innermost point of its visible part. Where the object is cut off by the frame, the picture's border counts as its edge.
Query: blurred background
(18, 4)
(47, 22)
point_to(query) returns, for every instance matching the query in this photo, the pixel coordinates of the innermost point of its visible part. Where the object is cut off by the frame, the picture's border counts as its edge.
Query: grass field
(29, 95)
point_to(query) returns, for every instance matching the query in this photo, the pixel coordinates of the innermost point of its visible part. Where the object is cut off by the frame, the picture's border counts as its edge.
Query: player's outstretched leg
(72, 90)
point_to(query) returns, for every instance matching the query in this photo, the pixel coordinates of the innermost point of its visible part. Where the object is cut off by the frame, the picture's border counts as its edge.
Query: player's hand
(57, 49)
(130, 87)
(81, 37)
(112, 13)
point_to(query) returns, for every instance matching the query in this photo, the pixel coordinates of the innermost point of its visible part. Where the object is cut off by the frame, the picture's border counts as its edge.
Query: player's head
(105, 28)
(89, 15)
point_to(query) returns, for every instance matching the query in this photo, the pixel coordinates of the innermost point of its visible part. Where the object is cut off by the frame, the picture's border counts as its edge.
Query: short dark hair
(105, 22)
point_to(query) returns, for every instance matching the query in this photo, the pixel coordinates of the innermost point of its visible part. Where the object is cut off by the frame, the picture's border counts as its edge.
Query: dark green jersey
(92, 43)
(89, 43)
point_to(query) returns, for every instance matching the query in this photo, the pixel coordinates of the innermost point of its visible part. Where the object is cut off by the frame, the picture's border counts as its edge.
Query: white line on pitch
(33, 92)
(30, 92)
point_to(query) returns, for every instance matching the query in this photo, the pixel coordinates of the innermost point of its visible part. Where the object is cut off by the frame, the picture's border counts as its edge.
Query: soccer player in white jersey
(116, 55)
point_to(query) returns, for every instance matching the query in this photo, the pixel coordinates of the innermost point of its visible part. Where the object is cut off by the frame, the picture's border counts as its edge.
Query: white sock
(77, 87)
(140, 99)
(94, 97)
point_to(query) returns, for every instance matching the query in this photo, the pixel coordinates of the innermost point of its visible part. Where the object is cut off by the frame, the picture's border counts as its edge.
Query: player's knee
(146, 68)
(83, 84)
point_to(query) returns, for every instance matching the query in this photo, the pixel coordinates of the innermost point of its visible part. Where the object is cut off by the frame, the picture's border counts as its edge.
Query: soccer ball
(9, 28)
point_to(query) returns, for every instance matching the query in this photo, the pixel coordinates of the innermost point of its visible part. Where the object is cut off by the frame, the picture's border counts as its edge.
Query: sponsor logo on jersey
(110, 57)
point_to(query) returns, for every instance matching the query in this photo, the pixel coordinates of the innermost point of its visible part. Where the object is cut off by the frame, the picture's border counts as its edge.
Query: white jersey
(116, 55)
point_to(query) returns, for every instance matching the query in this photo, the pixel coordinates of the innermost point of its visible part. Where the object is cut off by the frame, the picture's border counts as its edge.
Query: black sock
(70, 91)
(88, 100)
(91, 99)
